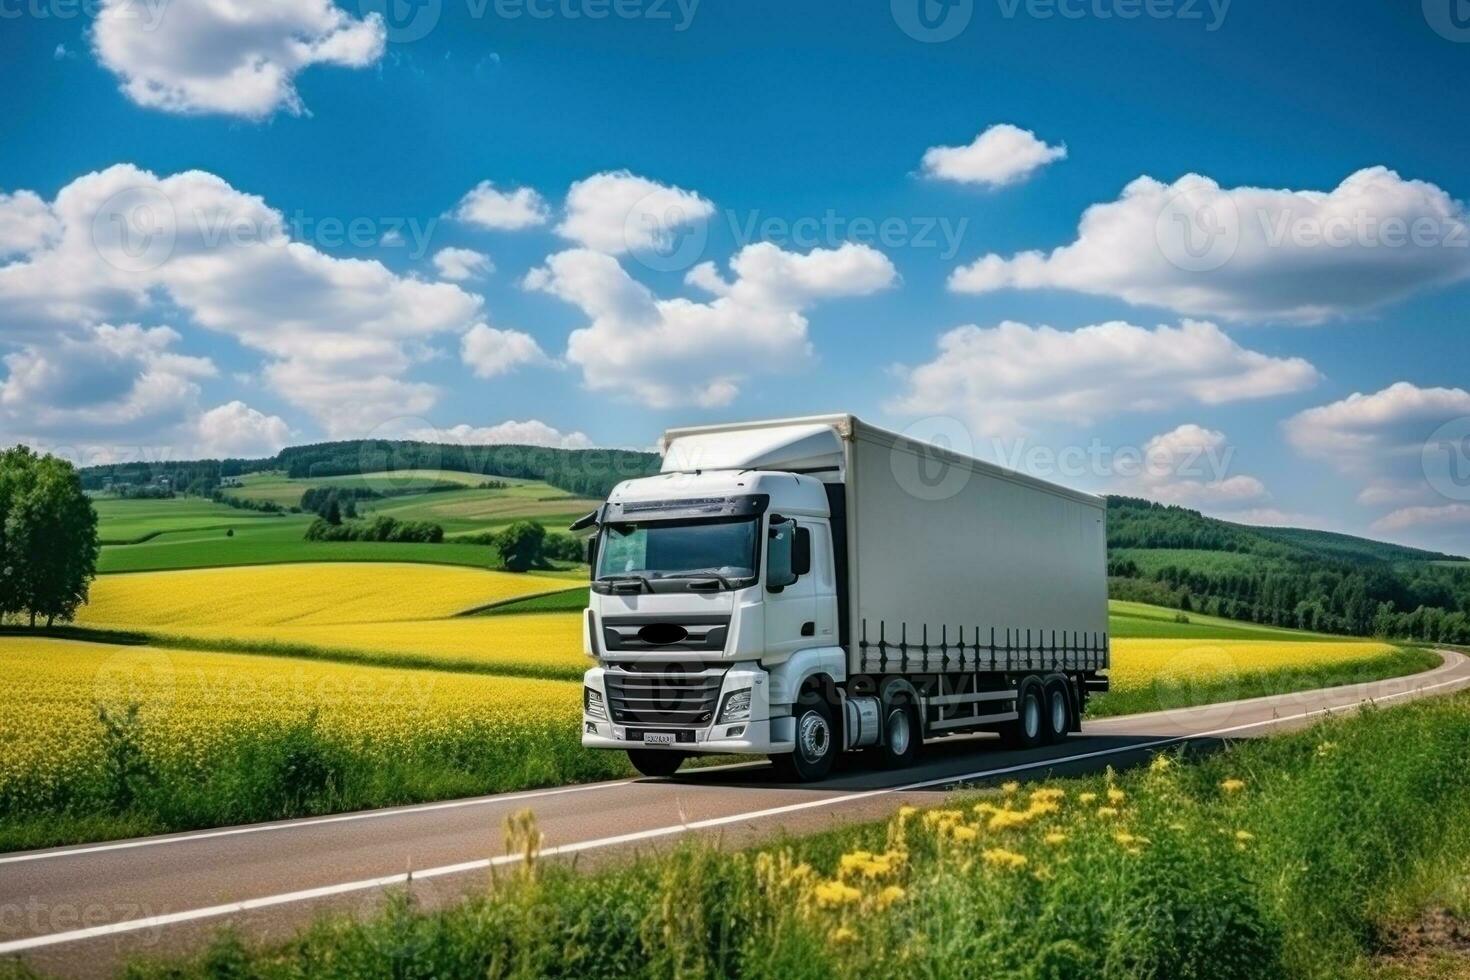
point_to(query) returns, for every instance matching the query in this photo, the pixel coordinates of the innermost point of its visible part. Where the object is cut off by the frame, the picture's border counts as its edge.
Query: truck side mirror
(780, 541)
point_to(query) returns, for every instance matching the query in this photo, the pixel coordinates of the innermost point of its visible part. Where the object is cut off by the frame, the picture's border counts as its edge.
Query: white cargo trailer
(801, 587)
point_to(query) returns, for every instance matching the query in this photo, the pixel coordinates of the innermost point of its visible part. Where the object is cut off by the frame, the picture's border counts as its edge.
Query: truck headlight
(736, 706)
(592, 703)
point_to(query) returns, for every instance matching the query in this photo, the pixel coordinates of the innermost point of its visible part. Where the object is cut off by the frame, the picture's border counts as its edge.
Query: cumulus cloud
(1007, 378)
(235, 430)
(1441, 516)
(505, 210)
(1189, 466)
(26, 223)
(117, 382)
(1383, 441)
(670, 352)
(338, 335)
(459, 264)
(490, 352)
(617, 212)
(1251, 252)
(227, 57)
(1002, 155)
(531, 432)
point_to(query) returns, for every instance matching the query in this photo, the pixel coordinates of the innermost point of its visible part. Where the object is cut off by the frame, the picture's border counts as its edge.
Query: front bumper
(759, 734)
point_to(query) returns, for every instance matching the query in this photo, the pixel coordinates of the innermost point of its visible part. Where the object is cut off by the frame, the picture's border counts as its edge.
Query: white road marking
(326, 891)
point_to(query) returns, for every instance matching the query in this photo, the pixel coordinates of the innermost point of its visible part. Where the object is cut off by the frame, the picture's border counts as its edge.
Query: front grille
(653, 633)
(662, 695)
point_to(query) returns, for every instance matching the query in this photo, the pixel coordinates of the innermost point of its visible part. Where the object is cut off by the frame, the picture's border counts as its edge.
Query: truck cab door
(790, 588)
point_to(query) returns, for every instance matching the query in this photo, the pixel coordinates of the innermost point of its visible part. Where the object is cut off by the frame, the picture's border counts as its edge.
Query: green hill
(1293, 577)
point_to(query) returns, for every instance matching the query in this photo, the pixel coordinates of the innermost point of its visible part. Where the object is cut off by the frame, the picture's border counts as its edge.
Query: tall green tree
(50, 536)
(520, 545)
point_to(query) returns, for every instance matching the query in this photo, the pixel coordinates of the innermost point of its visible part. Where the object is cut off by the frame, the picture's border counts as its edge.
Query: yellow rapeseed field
(197, 708)
(1141, 663)
(308, 594)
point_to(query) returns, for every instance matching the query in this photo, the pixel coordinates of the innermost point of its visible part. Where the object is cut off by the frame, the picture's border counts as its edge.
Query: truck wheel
(902, 735)
(1058, 713)
(655, 762)
(1029, 729)
(816, 741)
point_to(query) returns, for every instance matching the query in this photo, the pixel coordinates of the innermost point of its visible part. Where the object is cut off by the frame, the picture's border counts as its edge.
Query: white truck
(804, 587)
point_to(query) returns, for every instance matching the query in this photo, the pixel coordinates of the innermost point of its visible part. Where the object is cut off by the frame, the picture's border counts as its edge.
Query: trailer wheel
(1058, 713)
(816, 741)
(903, 735)
(655, 762)
(1029, 729)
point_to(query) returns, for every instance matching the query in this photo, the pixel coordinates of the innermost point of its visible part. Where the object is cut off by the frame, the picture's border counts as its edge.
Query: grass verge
(1292, 856)
(1213, 688)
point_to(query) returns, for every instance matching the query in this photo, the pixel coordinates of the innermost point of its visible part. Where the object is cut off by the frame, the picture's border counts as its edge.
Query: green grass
(570, 601)
(1263, 683)
(124, 521)
(1339, 835)
(189, 532)
(1139, 620)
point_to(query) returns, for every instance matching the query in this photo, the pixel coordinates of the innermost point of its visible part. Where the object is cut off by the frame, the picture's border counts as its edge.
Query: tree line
(48, 538)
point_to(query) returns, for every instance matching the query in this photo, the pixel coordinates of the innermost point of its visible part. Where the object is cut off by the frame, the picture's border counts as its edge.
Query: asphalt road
(83, 910)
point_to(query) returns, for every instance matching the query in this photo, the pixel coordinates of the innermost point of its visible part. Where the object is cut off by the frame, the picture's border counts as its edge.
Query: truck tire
(817, 741)
(1029, 729)
(655, 762)
(903, 736)
(1058, 714)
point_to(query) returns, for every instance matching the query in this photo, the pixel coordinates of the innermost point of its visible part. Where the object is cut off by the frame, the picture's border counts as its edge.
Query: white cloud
(1273, 517)
(26, 223)
(225, 56)
(1002, 155)
(1189, 466)
(509, 210)
(235, 430)
(670, 352)
(458, 264)
(105, 381)
(531, 432)
(1442, 516)
(1007, 378)
(1379, 439)
(338, 334)
(1250, 252)
(618, 212)
(490, 352)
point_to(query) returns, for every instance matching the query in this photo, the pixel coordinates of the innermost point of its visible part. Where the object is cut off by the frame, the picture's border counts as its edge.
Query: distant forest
(1313, 580)
(584, 472)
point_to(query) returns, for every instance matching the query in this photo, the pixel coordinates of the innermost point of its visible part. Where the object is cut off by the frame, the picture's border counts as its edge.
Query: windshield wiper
(616, 583)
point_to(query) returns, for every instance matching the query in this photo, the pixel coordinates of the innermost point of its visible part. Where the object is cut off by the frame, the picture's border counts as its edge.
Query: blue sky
(771, 140)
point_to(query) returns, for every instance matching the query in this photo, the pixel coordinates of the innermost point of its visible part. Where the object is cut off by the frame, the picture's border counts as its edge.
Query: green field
(190, 532)
(129, 521)
(1138, 620)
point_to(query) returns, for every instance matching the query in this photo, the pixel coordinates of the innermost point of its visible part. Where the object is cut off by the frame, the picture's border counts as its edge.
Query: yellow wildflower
(1233, 785)
(1106, 812)
(1051, 794)
(842, 934)
(1010, 788)
(1244, 836)
(1087, 797)
(1056, 838)
(1116, 795)
(1161, 763)
(832, 893)
(889, 895)
(999, 857)
(964, 833)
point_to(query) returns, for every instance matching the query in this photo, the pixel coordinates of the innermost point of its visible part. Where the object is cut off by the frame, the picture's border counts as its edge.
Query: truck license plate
(658, 738)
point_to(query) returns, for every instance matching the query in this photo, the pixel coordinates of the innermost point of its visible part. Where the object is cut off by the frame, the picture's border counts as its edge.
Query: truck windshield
(679, 549)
